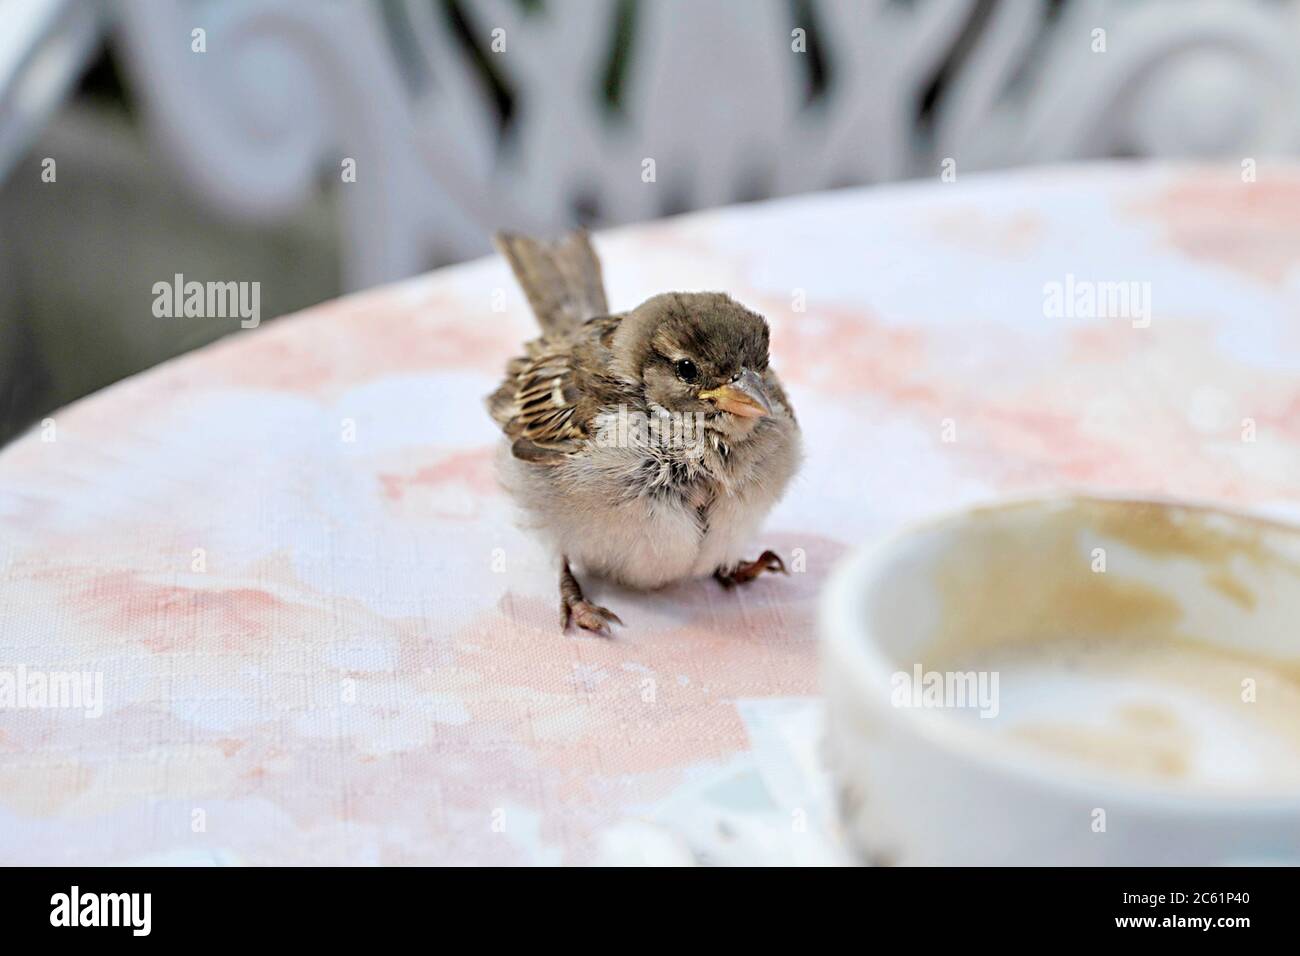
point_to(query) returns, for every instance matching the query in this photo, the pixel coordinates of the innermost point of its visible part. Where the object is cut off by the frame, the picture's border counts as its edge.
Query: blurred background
(323, 147)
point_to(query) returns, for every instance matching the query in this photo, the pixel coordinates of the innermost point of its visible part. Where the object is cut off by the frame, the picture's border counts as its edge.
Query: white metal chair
(465, 117)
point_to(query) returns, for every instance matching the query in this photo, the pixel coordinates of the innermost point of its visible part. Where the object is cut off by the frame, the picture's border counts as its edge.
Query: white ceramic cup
(1205, 603)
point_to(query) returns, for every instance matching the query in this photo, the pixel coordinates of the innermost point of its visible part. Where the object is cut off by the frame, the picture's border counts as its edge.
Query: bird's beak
(745, 396)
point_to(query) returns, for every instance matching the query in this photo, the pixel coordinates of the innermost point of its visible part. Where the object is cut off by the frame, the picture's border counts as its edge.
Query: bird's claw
(746, 571)
(588, 616)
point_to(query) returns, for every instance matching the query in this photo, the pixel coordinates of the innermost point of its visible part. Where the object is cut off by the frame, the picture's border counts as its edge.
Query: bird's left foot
(746, 571)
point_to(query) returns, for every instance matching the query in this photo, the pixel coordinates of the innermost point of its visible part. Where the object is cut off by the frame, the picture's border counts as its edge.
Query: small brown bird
(648, 445)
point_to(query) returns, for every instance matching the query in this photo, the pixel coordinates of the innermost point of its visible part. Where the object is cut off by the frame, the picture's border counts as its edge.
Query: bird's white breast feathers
(600, 511)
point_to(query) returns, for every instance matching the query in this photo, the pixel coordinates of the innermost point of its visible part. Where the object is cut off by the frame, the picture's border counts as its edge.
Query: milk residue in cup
(1168, 713)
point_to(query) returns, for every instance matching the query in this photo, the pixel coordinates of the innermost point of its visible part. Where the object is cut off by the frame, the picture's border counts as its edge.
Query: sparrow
(646, 446)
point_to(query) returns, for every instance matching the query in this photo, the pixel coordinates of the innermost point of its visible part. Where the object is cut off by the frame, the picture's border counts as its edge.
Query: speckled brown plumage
(640, 507)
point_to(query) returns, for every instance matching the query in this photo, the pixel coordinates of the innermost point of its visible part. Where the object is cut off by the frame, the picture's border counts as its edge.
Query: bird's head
(698, 353)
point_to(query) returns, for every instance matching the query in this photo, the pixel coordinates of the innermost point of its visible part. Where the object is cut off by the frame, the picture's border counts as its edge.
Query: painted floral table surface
(320, 637)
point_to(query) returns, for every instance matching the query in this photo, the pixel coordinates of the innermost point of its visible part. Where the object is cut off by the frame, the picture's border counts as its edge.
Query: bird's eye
(686, 370)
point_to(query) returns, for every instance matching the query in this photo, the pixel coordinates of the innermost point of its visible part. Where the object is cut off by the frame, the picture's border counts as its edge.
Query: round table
(320, 637)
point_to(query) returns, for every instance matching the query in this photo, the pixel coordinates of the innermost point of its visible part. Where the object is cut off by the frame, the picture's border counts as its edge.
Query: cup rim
(847, 638)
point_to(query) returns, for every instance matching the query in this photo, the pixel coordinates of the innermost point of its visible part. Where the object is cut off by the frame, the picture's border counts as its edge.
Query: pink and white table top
(322, 638)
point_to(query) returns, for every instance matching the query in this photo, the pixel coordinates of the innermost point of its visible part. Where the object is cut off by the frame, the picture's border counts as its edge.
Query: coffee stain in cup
(1155, 710)
(1025, 578)
(1026, 572)
(1119, 750)
(1201, 535)
(1232, 587)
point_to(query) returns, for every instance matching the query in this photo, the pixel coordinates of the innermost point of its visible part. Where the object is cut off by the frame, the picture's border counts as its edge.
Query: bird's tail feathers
(561, 278)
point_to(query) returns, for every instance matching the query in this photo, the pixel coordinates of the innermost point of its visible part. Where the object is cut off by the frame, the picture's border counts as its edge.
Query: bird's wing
(546, 404)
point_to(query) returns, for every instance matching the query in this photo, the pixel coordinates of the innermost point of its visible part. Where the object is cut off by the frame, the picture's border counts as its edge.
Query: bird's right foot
(574, 607)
